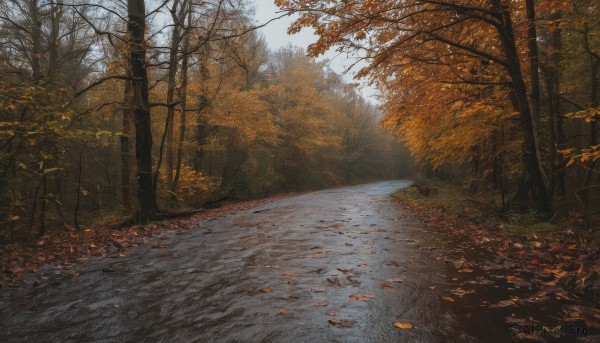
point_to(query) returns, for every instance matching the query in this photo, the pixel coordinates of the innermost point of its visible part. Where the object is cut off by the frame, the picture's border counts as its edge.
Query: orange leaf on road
(403, 326)
(363, 297)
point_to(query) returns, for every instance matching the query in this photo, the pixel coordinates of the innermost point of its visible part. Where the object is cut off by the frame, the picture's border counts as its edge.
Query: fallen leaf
(334, 280)
(466, 270)
(342, 323)
(503, 303)
(363, 297)
(526, 337)
(321, 303)
(448, 299)
(332, 314)
(403, 326)
(460, 292)
(384, 286)
(394, 280)
(266, 290)
(458, 264)
(432, 287)
(363, 265)
(283, 312)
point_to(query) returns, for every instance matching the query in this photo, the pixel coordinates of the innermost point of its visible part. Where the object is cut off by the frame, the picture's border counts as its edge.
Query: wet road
(340, 254)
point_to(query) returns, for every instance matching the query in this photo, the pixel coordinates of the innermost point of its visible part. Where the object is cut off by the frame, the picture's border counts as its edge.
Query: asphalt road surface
(339, 265)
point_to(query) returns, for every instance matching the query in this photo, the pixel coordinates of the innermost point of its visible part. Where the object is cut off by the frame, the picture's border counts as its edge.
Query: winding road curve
(350, 250)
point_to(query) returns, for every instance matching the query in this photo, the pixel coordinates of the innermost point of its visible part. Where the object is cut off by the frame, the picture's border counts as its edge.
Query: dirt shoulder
(519, 268)
(65, 250)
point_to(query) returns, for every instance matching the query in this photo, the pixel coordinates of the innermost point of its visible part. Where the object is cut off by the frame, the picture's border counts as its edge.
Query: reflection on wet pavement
(276, 273)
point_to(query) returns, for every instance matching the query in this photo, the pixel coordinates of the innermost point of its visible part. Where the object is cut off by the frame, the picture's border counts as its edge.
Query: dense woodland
(503, 94)
(110, 109)
(134, 108)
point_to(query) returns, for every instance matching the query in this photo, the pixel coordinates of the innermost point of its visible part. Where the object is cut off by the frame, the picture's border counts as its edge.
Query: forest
(111, 110)
(135, 109)
(170, 173)
(501, 94)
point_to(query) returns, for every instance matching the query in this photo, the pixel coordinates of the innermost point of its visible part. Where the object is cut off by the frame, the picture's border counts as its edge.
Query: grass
(526, 223)
(480, 208)
(518, 230)
(453, 199)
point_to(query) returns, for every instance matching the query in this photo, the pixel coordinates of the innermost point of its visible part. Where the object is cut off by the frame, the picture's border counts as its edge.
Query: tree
(88, 76)
(136, 29)
(428, 32)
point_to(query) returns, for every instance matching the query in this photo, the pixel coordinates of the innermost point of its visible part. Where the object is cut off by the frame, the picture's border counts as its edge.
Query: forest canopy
(504, 92)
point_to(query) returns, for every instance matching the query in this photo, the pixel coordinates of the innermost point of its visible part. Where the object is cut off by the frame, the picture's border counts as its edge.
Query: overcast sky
(276, 36)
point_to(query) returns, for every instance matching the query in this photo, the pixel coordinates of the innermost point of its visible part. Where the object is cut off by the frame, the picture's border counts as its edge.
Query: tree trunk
(33, 211)
(78, 201)
(202, 129)
(183, 99)
(557, 134)
(594, 81)
(56, 12)
(141, 109)
(36, 41)
(534, 62)
(533, 183)
(173, 64)
(43, 203)
(125, 148)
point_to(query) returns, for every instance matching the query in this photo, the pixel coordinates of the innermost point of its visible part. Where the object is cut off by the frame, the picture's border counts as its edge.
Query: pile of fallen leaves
(555, 266)
(64, 250)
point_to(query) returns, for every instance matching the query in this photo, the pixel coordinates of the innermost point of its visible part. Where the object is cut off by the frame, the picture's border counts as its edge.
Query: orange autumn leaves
(403, 326)
(325, 304)
(447, 75)
(441, 99)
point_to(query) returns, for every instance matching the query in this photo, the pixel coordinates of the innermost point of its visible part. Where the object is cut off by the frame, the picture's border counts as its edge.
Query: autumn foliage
(503, 92)
(110, 112)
